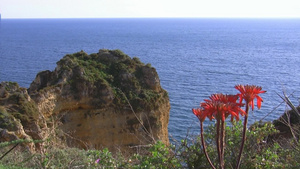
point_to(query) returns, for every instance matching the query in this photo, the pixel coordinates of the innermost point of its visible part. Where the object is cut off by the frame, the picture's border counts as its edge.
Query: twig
(9, 151)
(271, 111)
(288, 122)
(288, 102)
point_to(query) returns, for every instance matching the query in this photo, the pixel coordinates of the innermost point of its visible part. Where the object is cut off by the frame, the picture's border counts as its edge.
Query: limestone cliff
(100, 100)
(19, 116)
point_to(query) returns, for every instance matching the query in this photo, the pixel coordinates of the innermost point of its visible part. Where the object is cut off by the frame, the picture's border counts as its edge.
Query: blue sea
(193, 57)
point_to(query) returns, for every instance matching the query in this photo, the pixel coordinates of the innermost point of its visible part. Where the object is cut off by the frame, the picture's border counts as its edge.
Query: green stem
(204, 146)
(244, 137)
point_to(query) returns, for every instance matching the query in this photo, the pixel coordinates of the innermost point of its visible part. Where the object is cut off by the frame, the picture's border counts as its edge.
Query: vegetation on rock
(16, 100)
(110, 69)
(107, 93)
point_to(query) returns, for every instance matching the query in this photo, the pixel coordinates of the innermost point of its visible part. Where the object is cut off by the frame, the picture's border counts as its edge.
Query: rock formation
(286, 123)
(18, 114)
(99, 100)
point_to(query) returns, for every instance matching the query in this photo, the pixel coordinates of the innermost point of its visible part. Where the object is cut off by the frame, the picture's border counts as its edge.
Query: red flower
(220, 106)
(200, 114)
(249, 93)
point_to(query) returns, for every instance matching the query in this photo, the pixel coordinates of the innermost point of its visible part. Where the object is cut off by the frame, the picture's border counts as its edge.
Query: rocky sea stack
(105, 99)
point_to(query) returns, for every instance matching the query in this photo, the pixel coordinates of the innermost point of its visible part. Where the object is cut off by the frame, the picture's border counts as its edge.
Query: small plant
(160, 156)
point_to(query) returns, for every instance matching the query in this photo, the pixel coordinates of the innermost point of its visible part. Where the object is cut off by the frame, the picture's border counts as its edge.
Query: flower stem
(204, 146)
(222, 144)
(244, 137)
(218, 142)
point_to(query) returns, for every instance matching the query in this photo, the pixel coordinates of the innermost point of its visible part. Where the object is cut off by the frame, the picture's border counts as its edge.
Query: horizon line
(298, 17)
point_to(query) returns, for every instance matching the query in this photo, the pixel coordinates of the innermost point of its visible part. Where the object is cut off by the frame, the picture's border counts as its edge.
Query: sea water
(193, 57)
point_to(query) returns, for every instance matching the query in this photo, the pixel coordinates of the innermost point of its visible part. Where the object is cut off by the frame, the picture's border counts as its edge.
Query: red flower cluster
(219, 106)
(249, 93)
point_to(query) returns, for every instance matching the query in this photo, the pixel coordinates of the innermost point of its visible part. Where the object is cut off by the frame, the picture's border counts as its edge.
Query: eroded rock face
(101, 100)
(18, 115)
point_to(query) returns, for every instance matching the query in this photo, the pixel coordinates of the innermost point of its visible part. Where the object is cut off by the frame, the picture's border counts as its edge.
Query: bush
(160, 156)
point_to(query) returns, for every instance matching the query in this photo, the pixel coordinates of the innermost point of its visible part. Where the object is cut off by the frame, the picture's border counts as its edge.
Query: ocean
(193, 57)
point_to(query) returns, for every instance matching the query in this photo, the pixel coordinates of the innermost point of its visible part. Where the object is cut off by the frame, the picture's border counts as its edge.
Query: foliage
(5, 144)
(159, 156)
(6, 119)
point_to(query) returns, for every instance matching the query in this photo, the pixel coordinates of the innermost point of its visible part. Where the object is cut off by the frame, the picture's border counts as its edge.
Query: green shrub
(160, 156)
(119, 54)
(258, 153)
(6, 120)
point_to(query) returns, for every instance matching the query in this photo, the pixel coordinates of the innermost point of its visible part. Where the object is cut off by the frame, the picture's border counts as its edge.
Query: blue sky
(149, 8)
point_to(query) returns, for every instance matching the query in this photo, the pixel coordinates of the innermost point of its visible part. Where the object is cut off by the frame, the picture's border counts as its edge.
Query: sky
(149, 8)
